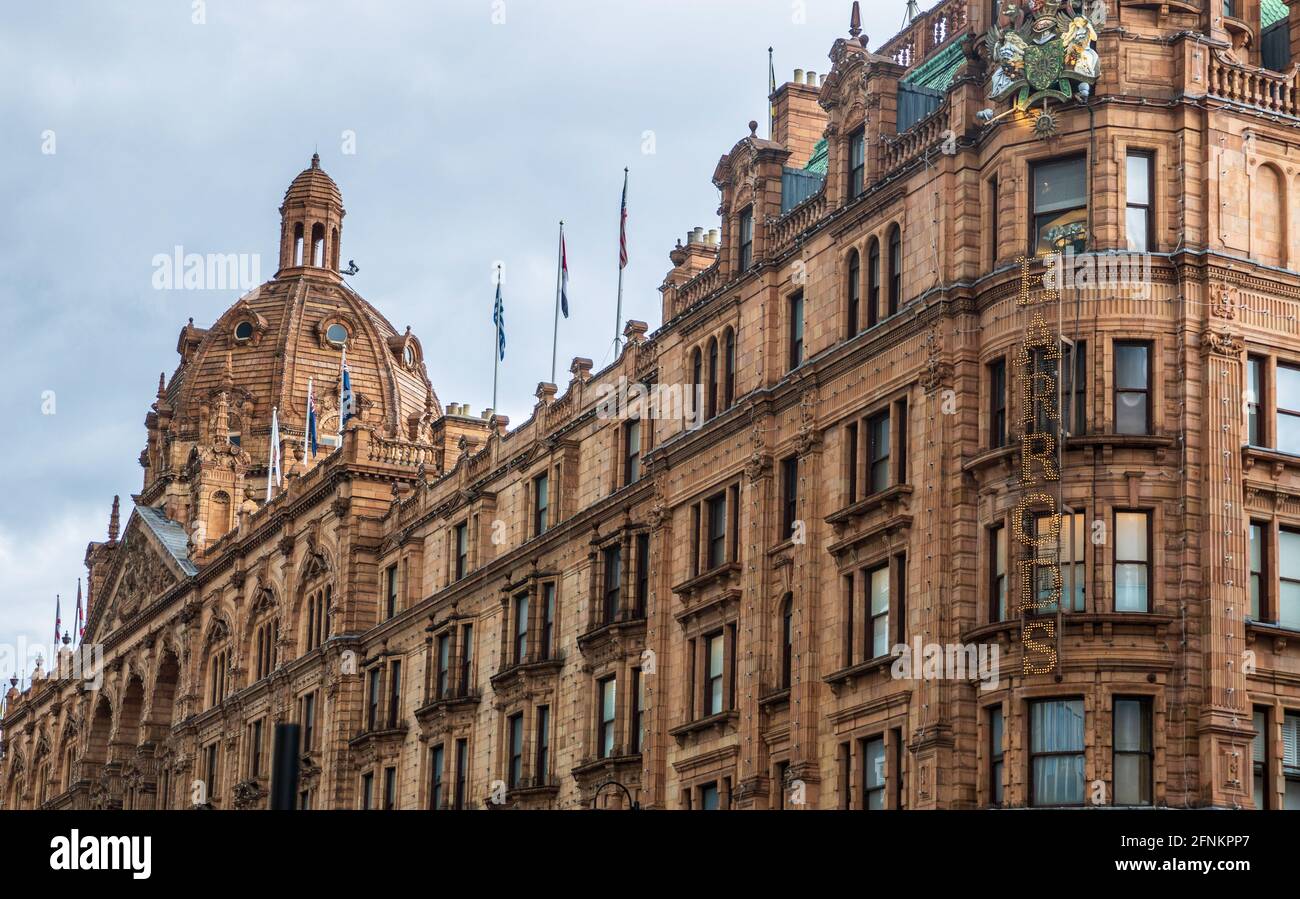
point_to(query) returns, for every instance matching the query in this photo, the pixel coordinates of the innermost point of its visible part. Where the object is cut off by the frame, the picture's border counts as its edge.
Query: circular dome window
(244, 331)
(337, 334)
(410, 355)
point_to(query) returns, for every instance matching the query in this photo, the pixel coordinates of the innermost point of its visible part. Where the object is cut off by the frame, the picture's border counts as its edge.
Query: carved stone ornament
(1221, 343)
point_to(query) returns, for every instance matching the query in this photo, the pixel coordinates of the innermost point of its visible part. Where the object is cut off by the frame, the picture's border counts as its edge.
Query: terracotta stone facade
(591, 608)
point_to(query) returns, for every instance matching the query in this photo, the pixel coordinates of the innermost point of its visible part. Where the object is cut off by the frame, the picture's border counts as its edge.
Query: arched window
(873, 283)
(297, 244)
(712, 396)
(266, 636)
(729, 369)
(318, 245)
(318, 617)
(219, 519)
(218, 665)
(895, 269)
(334, 249)
(697, 382)
(854, 294)
(787, 640)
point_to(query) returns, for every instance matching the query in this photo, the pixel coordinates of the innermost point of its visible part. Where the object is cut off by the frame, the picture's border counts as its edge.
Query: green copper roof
(817, 164)
(1271, 11)
(938, 71)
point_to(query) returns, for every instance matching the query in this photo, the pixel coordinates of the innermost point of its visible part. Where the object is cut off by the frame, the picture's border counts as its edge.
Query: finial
(162, 384)
(855, 20)
(315, 160)
(115, 521)
(753, 128)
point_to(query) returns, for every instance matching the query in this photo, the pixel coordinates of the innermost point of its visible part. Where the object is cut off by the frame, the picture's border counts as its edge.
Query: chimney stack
(800, 121)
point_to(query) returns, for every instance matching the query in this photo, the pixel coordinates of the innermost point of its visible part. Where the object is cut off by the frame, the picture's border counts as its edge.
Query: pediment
(150, 561)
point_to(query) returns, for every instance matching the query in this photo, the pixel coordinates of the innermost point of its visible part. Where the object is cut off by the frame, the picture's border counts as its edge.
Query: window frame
(1147, 723)
(1034, 215)
(745, 227)
(1148, 563)
(1147, 392)
(1148, 208)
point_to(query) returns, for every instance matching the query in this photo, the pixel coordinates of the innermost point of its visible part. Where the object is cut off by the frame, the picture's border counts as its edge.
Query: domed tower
(209, 430)
(311, 222)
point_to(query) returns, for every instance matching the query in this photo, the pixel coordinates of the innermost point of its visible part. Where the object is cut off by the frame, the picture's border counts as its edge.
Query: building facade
(897, 523)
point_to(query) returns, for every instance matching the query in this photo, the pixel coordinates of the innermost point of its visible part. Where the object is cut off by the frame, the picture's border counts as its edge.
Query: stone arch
(1268, 215)
(261, 637)
(130, 711)
(17, 776)
(101, 730)
(314, 599)
(162, 698)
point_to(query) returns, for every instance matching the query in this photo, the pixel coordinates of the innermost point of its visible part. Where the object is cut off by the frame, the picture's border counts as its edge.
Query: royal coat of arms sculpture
(1043, 50)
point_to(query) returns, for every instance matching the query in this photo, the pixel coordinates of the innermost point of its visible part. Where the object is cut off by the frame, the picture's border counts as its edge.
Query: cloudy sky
(135, 126)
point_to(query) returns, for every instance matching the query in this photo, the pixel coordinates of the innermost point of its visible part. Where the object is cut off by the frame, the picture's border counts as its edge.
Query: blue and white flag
(309, 438)
(347, 403)
(499, 319)
(273, 460)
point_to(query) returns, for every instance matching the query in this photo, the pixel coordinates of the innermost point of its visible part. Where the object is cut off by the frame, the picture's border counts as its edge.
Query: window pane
(1288, 433)
(1131, 536)
(1059, 185)
(1130, 588)
(1136, 219)
(1057, 726)
(880, 591)
(1139, 179)
(875, 758)
(1131, 733)
(1288, 605)
(1130, 366)
(1132, 780)
(1288, 557)
(1131, 413)
(1058, 780)
(1288, 388)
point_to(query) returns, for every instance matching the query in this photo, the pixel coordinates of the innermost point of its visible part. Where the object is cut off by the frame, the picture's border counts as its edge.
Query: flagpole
(496, 342)
(559, 283)
(622, 226)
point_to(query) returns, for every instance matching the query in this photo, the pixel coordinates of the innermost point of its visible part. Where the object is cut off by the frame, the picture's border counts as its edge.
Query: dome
(312, 187)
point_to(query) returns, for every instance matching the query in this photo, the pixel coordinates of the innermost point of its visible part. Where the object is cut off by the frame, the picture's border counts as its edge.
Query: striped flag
(58, 620)
(622, 227)
(81, 630)
(564, 276)
(347, 406)
(309, 444)
(273, 460)
(499, 319)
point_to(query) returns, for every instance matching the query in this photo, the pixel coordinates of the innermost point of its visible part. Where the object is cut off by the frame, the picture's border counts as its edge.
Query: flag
(564, 277)
(622, 227)
(347, 408)
(499, 319)
(771, 89)
(58, 620)
(273, 461)
(309, 444)
(81, 631)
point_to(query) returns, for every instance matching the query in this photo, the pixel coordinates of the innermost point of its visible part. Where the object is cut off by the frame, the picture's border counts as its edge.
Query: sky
(475, 126)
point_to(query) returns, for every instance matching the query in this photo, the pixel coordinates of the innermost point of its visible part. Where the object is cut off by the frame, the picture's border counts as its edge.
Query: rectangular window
(515, 773)
(998, 403)
(873, 283)
(638, 710)
(632, 452)
(613, 557)
(1132, 388)
(521, 628)
(1071, 562)
(441, 687)
(796, 330)
(543, 766)
(878, 452)
(789, 495)
(854, 298)
(372, 700)
(1291, 761)
(307, 718)
(255, 749)
(547, 647)
(368, 791)
(1056, 752)
(212, 770)
(1259, 756)
(394, 694)
(998, 572)
(997, 755)
(746, 239)
(1132, 562)
(709, 798)
(1074, 389)
(1288, 568)
(466, 657)
(462, 550)
(462, 773)
(390, 789)
(851, 462)
(857, 162)
(607, 690)
(435, 777)
(878, 627)
(390, 580)
(1254, 399)
(717, 554)
(1288, 409)
(642, 574)
(1133, 753)
(873, 781)
(1257, 550)
(1060, 200)
(714, 651)
(895, 269)
(1139, 218)
(541, 503)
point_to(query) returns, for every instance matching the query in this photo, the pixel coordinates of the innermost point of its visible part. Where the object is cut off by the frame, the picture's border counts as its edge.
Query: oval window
(337, 334)
(410, 355)
(243, 331)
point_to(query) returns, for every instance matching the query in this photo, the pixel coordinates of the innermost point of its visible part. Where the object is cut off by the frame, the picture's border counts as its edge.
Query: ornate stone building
(1087, 546)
